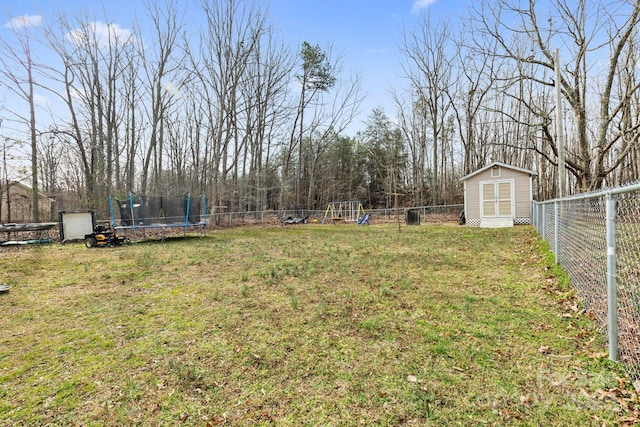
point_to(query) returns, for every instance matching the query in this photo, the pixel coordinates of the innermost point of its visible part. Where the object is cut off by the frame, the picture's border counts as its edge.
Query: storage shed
(498, 195)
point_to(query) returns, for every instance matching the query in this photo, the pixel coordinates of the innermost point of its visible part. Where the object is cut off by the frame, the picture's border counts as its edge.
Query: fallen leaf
(525, 400)
(598, 355)
(610, 395)
(413, 379)
(628, 421)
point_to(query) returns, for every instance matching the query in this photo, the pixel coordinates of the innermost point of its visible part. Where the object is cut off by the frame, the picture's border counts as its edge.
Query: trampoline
(142, 215)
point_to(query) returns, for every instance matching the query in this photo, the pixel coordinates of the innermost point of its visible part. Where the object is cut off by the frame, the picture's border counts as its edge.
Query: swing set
(350, 211)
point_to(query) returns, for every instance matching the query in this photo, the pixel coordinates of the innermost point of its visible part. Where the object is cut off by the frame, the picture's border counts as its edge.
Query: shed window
(495, 172)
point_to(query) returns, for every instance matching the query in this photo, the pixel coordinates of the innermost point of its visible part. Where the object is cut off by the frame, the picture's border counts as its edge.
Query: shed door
(497, 199)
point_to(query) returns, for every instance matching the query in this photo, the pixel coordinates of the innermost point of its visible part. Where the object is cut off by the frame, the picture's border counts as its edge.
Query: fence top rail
(321, 211)
(606, 192)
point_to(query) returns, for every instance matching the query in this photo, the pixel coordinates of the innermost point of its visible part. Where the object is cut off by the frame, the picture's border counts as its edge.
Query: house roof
(504, 165)
(25, 187)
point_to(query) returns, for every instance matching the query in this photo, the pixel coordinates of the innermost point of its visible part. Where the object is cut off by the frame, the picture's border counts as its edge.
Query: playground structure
(349, 211)
(140, 215)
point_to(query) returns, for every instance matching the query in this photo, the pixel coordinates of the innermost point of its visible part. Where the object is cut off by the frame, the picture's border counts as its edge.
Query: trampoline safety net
(156, 210)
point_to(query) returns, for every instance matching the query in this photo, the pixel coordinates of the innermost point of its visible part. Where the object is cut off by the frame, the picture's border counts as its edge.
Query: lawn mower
(104, 236)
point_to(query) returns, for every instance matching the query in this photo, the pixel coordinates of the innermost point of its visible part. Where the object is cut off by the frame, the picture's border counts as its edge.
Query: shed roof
(504, 165)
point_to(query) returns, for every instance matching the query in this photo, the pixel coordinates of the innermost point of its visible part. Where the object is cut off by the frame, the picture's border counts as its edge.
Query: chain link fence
(596, 239)
(434, 214)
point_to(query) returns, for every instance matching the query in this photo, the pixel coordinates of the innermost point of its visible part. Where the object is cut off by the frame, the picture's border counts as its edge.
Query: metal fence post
(612, 303)
(544, 222)
(556, 230)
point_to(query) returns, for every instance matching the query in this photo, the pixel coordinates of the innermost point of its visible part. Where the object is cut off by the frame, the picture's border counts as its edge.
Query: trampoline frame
(162, 227)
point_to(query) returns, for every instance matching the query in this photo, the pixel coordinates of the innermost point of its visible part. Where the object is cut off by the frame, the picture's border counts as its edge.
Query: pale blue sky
(366, 32)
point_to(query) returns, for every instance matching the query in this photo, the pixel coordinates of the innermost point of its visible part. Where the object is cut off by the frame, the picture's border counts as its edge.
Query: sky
(366, 33)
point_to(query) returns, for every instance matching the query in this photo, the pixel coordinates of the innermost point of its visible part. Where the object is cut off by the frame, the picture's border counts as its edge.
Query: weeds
(245, 290)
(293, 298)
(468, 300)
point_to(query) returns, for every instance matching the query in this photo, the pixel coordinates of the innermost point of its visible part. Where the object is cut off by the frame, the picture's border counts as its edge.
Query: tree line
(231, 110)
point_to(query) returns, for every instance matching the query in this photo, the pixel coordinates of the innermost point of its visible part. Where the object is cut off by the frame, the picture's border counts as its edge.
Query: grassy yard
(303, 325)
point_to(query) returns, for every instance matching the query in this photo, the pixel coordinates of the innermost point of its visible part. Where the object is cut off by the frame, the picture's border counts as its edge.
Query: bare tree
(50, 156)
(629, 169)
(232, 33)
(162, 66)
(475, 78)
(428, 68)
(584, 32)
(133, 117)
(18, 69)
(334, 109)
(4, 167)
(265, 89)
(93, 57)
